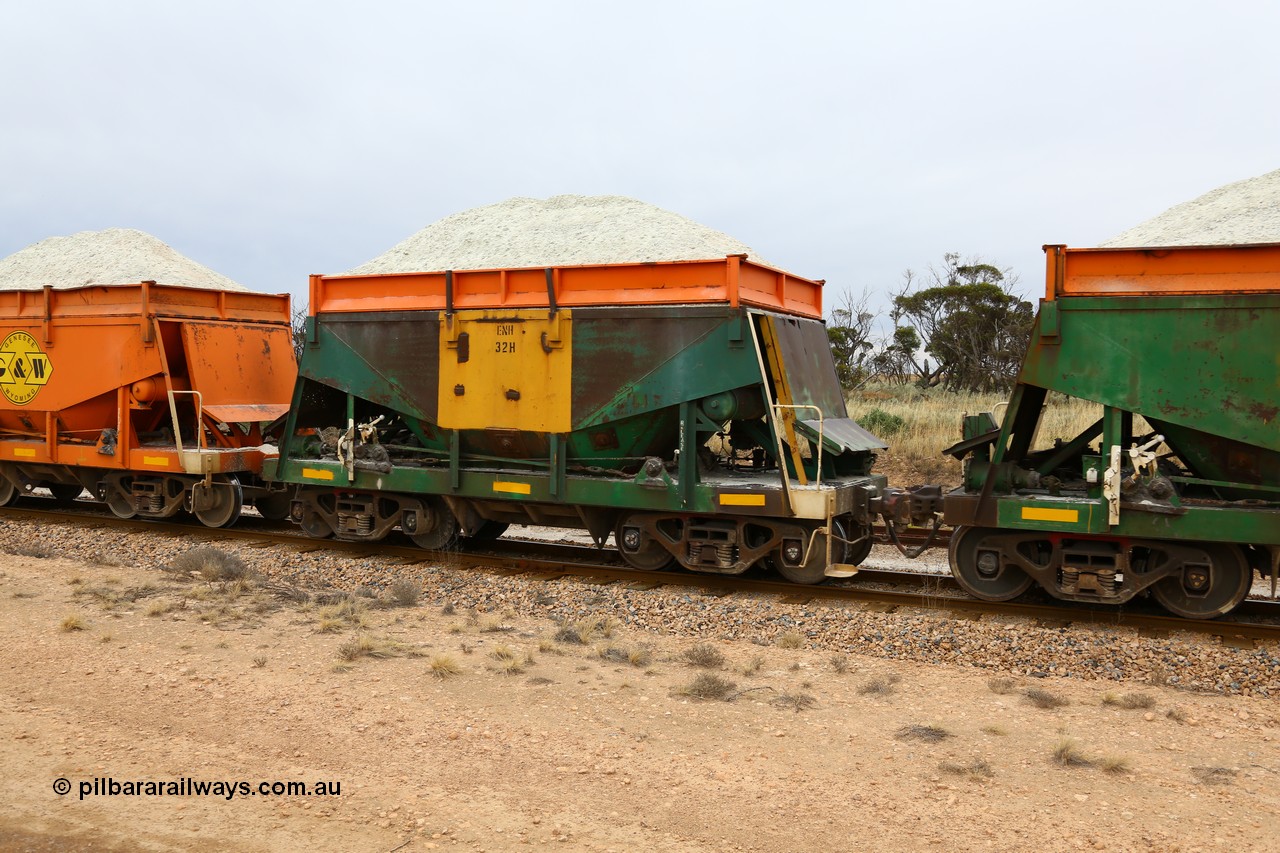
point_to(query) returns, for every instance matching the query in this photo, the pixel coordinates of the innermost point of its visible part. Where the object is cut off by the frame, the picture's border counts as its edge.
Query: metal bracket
(1111, 486)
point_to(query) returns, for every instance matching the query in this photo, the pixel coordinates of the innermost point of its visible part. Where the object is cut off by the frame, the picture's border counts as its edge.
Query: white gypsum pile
(560, 231)
(111, 256)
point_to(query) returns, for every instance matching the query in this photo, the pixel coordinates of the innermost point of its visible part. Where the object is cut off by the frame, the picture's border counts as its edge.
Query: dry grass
(1002, 684)
(72, 623)
(790, 640)
(637, 656)
(702, 655)
(365, 646)
(1042, 698)
(794, 701)
(1068, 753)
(995, 729)
(1214, 775)
(928, 734)
(586, 631)
(977, 769)
(35, 550)
(931, 420)
(752, 666)
(160, 608)
(259, 662)
(708, 686)
(1115, 764)
(347, 612)
(880, 685)
(508, 661)
(1131, 701)
(444, 667)
(839, 664)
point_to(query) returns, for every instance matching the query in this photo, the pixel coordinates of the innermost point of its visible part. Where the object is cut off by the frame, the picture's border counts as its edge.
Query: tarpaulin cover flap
(841, 434)
(248, 413)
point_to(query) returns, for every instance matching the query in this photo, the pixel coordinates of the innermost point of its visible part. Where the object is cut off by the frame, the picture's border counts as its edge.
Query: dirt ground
(115, 673)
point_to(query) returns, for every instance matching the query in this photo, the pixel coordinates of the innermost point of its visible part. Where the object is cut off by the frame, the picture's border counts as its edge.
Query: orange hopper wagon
(154, 398)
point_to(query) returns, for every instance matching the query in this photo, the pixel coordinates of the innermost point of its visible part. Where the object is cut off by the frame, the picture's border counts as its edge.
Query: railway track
(879, 589)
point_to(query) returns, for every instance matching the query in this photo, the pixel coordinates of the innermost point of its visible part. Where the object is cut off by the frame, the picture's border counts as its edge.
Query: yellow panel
(506, 369)
(512, 488)
(1035, 513)
(317, 474)
(23, 451)
(155, 460)
(742, 500)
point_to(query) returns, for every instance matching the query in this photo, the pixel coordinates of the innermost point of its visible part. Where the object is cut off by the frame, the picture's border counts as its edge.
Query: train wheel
(489, 531)
(119, 501)
(981, 572)
(64, 493)
(858, 553)
(639, 550)
(814, 569)
(314, 525)
(1206, 590)
(227, 499)
(8, 492)
(274, 506)
(439, 531)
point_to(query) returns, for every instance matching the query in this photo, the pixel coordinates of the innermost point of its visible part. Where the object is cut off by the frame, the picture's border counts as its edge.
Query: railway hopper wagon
(1175, 489)
(689, 409)
(152, 397)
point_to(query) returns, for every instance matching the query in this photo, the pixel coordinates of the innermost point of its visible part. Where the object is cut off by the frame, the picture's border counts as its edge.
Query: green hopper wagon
(1175, 489)
(689, 409)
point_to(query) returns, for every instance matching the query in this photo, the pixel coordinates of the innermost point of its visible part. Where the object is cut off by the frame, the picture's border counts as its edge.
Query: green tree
(971, 323)
(849, 331)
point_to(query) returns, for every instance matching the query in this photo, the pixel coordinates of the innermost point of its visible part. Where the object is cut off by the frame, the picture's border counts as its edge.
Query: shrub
(1042, 698)
(211, 564)
(703, 655)
(1132, 701)
(928, 734)
(882, 423)
(405, 592)
(709, 686)
(880, 685)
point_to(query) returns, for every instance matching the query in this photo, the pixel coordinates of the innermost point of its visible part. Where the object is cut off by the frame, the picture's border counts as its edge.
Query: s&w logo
(24, 369)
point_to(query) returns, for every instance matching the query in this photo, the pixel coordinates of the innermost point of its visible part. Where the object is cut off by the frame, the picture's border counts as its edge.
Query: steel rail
(1254, 620)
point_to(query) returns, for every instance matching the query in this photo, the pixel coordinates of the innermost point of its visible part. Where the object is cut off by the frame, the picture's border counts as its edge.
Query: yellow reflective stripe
(155, 460)
(1036, 513)
(512, 488)
(317, 474)
(742, 500)
(23, 451)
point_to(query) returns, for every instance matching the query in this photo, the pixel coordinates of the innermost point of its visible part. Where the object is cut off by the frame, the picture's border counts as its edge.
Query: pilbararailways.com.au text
(188, 787)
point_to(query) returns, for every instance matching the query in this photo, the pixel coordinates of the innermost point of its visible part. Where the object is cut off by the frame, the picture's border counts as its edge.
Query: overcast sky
(845, 141)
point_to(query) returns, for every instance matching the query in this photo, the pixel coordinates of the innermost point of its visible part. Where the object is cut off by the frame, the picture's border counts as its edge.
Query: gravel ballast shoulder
(563, 230)
(1026, 648)
(111, 256)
